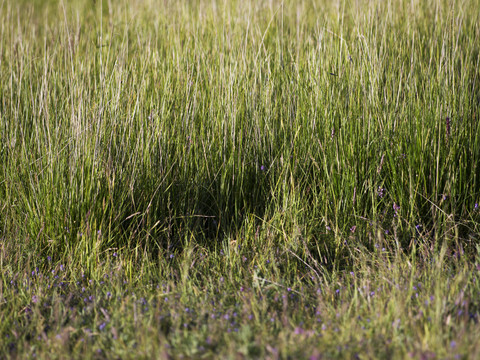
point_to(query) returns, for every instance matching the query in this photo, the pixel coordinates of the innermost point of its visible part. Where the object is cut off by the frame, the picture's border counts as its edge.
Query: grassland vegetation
(259, 179)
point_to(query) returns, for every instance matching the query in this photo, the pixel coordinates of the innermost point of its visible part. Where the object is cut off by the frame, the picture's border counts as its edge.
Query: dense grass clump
(284, 179)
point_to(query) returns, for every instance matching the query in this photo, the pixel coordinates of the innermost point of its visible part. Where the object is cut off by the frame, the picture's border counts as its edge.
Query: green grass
(300, 179)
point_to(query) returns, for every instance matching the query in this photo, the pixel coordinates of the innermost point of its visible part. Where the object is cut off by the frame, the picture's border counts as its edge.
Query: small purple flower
(453, 344)
(476, 206)
(299, 331)
(396, 208)
(380, 192)
(171, 256)
(49, 258)
(262, 168)
(102, 326)
(289, 289)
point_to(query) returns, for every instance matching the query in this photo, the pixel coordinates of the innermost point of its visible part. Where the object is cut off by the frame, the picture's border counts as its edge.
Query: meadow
(240, 179)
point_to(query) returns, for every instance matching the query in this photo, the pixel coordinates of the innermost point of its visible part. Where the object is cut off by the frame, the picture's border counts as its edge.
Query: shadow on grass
(205, 209)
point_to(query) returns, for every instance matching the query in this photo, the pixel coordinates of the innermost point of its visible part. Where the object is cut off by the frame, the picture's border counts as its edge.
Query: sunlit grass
(301, 176)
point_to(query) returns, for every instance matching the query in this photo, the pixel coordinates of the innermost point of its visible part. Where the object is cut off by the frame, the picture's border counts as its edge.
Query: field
(240, 179)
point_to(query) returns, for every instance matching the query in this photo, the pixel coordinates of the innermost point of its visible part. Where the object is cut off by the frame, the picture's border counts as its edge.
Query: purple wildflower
(380, 192)
(299, 331)
(395, 208)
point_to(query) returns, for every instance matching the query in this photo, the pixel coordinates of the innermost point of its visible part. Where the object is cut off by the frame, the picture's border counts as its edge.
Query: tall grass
(311, 135)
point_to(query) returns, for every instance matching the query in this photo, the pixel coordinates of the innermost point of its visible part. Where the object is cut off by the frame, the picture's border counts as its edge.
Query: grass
(282, 179)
